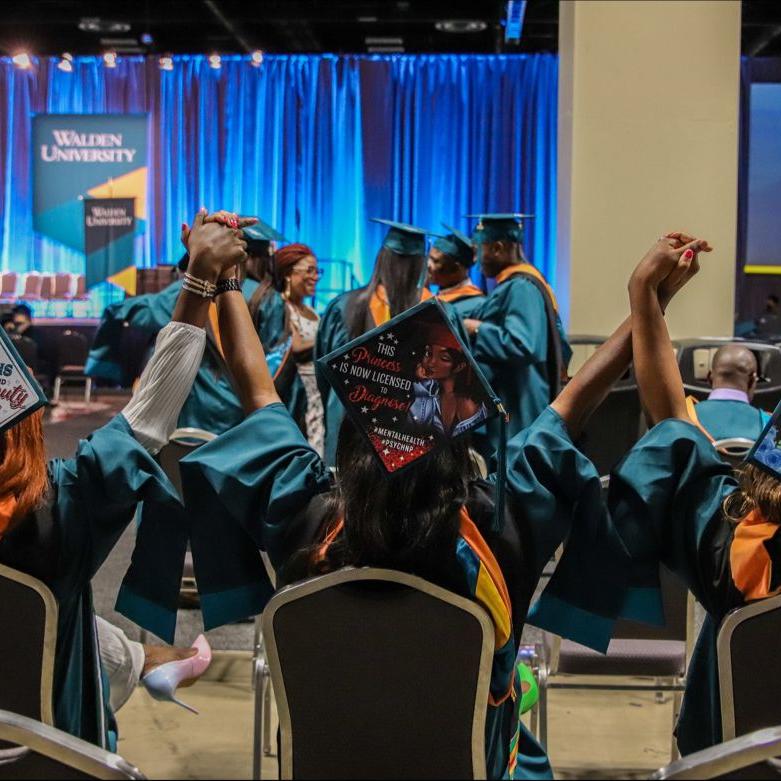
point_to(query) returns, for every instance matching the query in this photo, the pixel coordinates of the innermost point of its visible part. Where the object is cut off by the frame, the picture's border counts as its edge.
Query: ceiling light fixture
(257, 58)
(461, 25)
(94, 24)
(22, 61)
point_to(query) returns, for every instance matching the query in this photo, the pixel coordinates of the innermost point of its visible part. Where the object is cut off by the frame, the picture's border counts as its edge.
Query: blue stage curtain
(314, 144)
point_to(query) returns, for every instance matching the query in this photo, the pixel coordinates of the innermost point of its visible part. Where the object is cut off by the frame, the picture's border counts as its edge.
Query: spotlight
(146, 39)
(66, 63)
(110, 59)
(257, 58)
(22, 61)
(215, 61)
(167, 63)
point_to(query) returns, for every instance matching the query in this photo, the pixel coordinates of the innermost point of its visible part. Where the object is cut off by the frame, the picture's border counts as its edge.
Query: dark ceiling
(340, 26)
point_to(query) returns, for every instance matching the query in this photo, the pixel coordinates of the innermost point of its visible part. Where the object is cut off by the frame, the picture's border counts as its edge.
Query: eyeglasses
(308, 271)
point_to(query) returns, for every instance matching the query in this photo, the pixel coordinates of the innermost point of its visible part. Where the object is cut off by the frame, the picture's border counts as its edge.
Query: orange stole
(750, 563)
(691, 404)
(527, 268)
(7, 507)
(456, 294)
(214, 323)
(380, 308)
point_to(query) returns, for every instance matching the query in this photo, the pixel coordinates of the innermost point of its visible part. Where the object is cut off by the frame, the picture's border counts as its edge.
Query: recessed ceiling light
(461, 25)
(94, 24)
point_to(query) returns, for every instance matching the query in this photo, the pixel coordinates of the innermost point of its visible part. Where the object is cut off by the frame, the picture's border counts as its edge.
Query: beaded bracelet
(228, 284)
(201, 287)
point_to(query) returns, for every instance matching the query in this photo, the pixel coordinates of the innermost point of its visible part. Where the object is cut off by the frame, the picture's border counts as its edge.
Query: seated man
(727, 412)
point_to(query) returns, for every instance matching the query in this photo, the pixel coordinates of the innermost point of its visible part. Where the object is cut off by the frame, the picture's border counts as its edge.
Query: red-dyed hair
(287, 257)
(23, 471)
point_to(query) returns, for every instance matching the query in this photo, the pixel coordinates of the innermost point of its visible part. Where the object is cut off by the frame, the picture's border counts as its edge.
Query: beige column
(648, 142)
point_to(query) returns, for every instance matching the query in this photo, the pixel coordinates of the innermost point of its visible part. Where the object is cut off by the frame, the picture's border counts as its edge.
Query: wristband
(201, 287)
(228, 284)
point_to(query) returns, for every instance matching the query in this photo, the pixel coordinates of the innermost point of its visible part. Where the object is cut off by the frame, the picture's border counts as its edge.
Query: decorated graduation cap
(499, 227)
(393, 382)
(259, 236)
(766, 452)
(458, 245)
(20, 394)
(403, 239)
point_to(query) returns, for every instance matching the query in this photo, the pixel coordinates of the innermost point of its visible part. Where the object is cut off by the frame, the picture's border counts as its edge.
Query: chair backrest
(51, 753)
(749, 647)
(379, 674)
(753, 754)
(27, 647)
(72, 349)
(81, 286)
(8, 283)
(28, 350)
(32, 284)
(47, 286)
(733, 450)
(62, 285)
(675, 599)
(180, 443)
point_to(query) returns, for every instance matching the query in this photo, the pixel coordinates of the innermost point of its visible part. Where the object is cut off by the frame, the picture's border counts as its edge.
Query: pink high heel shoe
(161, 682)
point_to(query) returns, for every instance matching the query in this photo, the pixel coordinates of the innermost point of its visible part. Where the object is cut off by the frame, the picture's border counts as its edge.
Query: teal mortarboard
(499, 227)
(458, 245)
(403, 239)
(259, 236)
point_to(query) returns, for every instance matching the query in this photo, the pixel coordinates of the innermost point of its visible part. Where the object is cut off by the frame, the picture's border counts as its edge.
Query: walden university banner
(80, 160)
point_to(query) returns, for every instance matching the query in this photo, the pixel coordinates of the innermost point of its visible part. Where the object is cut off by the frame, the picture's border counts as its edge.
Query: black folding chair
(749, 647)
(72, 351)
(42, 751)
(27, 646)
(750, 756)
(379, 674)
(27, 349)
(733, 450)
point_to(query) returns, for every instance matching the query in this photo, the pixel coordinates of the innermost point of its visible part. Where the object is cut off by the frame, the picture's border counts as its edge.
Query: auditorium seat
(375, 697)
(72, 350)
(81, 293)
(62, 286)
(8, 281)
(47, 286)
(33, 282)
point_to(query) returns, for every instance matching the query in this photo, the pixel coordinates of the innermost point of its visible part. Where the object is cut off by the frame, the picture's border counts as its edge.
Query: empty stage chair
(658, 654)
(750, 756)
(42, 751)
(363, 687)
(32, 287)
(749, 649)
(62, 286)
(26, 647)
(8, 281)
(72, 350)
(47, 286)
(80, 285)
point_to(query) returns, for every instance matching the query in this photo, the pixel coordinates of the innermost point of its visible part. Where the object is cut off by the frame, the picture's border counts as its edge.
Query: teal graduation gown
(261, 487)
(511, 347)
(92, 498)
(725, 419)
(667, 494)
(466, 307)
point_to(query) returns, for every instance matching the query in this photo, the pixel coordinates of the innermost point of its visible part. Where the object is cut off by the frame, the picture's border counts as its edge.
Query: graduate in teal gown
(59, 522)
(273, 493)
(516, 334)
(395, 286)
(727, 412)
(450, 260)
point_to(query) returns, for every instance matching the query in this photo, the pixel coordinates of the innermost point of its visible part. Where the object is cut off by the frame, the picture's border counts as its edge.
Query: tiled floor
(592, 735)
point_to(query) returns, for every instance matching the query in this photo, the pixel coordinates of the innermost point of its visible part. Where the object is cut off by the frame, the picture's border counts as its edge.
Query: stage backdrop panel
(313, 144)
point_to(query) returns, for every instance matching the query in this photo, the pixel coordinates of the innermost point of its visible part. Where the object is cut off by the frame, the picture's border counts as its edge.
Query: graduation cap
(766, 452)
(403, 239)
(499, 227)
(392, 381)
(20, 394)
(458, 245)
(259, 236)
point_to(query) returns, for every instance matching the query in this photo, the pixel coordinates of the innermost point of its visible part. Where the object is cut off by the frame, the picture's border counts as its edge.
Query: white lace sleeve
(165, 384)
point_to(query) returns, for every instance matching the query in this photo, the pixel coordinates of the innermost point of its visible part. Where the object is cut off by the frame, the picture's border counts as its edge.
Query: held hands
(215, 243)
(668, 266)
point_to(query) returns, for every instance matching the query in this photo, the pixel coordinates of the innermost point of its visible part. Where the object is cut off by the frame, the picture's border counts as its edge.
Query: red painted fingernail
(688, 254)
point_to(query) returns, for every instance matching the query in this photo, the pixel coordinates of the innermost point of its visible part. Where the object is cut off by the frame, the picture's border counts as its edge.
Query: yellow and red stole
(749, 560)
(527, 268)
(380, 308)
(486, 586)
(459, 292)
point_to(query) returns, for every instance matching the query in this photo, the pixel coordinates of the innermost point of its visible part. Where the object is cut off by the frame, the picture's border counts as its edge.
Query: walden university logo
(71, 146)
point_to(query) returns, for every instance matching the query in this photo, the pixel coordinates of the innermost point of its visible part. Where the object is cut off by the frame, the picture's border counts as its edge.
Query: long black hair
(407, 521)
(400, 275)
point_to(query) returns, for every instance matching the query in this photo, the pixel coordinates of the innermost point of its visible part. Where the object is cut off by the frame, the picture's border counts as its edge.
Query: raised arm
(656, 368)
(588, 389)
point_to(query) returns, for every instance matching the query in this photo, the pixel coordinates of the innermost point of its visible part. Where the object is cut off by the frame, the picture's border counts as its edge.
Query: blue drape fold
(315, 144)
